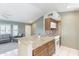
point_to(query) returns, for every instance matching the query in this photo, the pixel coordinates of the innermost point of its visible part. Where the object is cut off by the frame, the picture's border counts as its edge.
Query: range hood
(54, 15)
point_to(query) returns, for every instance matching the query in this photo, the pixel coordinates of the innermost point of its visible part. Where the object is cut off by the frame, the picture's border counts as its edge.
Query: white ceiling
(59, 7)
(19, 12)
(27, 13)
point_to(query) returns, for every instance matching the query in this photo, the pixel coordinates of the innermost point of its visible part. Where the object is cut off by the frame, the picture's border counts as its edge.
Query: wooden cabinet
(45, 50)
(51, 47)
(41, 51)
(48, 24)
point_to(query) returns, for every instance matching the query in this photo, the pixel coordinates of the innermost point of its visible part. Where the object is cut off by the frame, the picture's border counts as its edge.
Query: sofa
(5, 38)
(15, 38)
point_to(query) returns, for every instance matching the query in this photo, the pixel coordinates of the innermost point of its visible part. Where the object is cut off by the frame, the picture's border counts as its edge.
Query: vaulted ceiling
(29, 12)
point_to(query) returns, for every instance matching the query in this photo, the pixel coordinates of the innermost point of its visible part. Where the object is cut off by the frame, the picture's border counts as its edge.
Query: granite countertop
(41, 41)
(35, 41)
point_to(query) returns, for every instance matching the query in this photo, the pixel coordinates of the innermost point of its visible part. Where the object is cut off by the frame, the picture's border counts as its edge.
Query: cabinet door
(47, 24)
(51, 47)
(45, 50)
(40, 51)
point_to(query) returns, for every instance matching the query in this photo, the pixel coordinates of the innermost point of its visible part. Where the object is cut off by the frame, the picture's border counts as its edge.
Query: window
(8, 29)
(5, 29)
(15, 30)
(2, 29)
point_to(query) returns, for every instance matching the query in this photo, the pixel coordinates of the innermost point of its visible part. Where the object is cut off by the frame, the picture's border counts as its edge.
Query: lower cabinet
(51, 48)
(45, 50)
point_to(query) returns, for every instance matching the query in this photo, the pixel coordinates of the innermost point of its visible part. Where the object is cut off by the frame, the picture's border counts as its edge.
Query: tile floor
(63, 51)
(10, 53)
(8, 47)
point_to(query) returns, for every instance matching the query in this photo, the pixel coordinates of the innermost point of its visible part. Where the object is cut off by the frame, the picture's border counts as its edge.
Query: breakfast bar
(35, 46)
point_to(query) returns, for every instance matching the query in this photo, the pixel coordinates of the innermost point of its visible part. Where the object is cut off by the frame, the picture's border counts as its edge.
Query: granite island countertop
(35, 41)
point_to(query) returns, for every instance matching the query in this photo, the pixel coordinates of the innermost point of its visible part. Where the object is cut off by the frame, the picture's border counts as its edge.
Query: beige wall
(27, 30)
(70, 29)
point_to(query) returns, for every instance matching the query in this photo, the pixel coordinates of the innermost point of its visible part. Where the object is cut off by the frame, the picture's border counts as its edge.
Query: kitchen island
(35, 46)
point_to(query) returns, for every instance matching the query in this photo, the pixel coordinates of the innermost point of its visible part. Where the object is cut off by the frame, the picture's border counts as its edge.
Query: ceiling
(29, 12)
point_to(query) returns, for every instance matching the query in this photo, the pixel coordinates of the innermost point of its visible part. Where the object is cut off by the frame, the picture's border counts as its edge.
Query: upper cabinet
(52, 22)
(48, 22)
